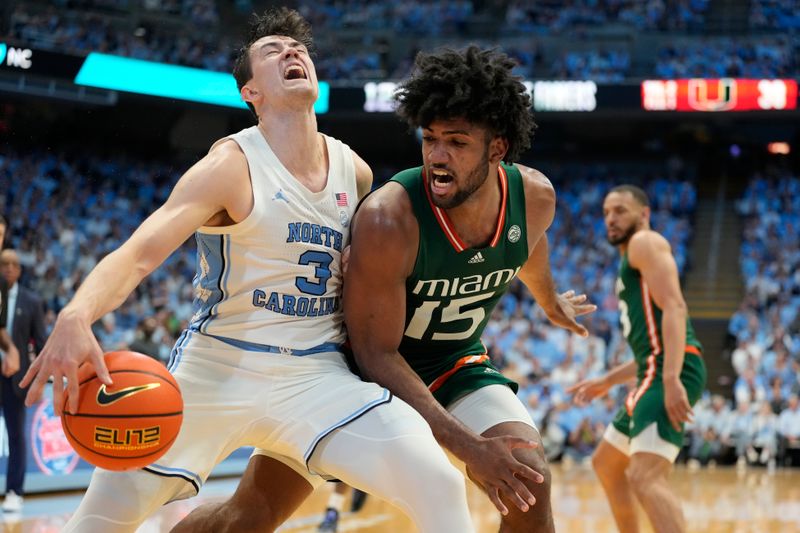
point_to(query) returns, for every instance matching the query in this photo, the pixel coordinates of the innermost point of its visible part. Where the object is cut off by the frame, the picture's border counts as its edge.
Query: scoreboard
(717, 95)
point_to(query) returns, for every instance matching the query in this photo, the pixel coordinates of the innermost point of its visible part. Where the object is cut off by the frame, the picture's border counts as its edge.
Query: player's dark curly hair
(275, 21)
(474, 84)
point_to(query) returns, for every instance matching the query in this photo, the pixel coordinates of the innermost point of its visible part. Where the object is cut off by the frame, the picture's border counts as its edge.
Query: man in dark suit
(25, 322)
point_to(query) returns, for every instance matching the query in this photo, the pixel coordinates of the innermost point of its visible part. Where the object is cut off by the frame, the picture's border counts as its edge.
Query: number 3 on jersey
(424, 313)
(323, 261)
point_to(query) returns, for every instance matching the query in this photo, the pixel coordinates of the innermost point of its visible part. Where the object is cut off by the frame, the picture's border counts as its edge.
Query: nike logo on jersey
(106, 398)
(477, 258)
(280, 196)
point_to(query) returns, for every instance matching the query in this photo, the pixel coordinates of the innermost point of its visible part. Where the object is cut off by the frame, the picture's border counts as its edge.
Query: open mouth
(441, 180)
(294, 72)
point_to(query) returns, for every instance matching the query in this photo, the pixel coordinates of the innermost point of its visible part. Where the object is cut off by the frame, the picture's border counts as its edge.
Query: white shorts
(647, 441)
(485, 408)
(488, 406)
(283, 404)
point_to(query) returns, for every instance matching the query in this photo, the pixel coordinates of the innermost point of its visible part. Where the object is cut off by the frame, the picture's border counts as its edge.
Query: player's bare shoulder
(222, 179)
(363, 175)
(386, 227)
(646, 245)
(387, 210)
(647, 240)
(540, 196)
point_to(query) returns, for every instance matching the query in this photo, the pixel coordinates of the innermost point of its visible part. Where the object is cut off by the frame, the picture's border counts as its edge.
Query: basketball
(130, 424)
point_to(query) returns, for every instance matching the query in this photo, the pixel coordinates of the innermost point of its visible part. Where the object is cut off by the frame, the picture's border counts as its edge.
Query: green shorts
(645, 406)
(468, 378)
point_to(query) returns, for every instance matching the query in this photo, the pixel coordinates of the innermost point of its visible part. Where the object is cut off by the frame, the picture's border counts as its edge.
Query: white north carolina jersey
(274, 279)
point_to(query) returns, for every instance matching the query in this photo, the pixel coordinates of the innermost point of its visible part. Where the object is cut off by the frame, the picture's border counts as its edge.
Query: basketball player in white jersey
(260, 363)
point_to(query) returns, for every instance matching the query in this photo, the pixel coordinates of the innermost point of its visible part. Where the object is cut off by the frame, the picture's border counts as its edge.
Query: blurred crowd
(555, 16)
(766, 327)
(65, 212)
(779, 14)
(767, 57)
(354, 35)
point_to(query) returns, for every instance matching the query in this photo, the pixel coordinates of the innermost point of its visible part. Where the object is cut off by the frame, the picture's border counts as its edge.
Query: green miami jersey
(641, 325)
(453, 289)
(641, 319)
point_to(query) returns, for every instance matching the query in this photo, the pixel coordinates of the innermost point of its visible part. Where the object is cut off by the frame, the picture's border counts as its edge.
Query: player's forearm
(673, 328)
(393, 372)
(537, 276)
(107, 286)
(621, 373)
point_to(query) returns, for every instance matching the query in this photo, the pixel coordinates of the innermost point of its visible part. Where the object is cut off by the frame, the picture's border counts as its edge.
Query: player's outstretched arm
(204, 191)
(540, 204)
(650, 254)
(589, 389)
(383, 250)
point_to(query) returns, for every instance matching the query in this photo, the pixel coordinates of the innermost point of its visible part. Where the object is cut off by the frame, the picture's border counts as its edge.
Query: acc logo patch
(514, 233)
(51, 449)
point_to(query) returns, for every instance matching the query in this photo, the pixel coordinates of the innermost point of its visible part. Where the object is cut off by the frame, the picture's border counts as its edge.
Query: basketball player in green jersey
(635, 457)
(432, 252)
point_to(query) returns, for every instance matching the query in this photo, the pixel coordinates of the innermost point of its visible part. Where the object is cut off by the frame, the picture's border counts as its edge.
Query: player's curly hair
(275, 21)
(474, 84)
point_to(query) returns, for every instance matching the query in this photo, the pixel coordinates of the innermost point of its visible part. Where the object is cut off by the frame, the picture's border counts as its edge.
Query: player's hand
(493, 467)
(11, 361)
(587, 390)
(679, 410)
(569, 306)
(70, 344)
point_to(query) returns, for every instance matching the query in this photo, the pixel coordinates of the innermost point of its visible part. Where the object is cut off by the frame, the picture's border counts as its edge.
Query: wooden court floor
(720, 500)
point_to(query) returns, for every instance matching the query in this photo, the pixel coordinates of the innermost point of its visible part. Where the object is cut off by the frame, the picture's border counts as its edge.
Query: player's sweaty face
(455, 154)
(621, 214)
(282, 64)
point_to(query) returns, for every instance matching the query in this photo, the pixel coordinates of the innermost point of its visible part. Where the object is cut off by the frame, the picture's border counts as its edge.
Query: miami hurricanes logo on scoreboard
(715, 95)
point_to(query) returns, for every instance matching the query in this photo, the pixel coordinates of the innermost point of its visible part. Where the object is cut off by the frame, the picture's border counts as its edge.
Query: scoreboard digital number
(717, 95)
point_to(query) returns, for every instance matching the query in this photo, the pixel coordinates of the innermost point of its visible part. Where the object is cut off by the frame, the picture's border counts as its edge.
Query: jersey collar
(447, 226)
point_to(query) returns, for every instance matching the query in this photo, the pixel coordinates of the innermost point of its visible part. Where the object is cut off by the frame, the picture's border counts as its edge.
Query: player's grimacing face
(455, 155)
(282, 64)
(621, 214)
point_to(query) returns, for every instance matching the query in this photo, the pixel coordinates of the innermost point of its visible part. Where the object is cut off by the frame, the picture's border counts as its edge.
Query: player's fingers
(525, 471)
(677, 417)
(519, 442)
(35, 391)
(584, 309)
(73, 387)
(100, 367)
(58, 393)
(580, 330)
(522, 491)
(517, 496)
(31, 373)
(575, 388)
(495, 498)
(578, 299)
(569, 294)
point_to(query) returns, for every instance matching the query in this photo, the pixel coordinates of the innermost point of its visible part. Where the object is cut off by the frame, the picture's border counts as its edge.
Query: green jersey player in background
(635, 457)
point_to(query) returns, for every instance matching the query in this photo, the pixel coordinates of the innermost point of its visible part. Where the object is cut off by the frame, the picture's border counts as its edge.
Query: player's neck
(294, 139)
